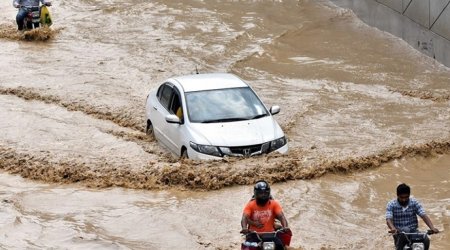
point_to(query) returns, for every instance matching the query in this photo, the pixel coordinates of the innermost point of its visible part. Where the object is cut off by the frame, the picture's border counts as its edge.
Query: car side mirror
(275, 110)
(173, 119)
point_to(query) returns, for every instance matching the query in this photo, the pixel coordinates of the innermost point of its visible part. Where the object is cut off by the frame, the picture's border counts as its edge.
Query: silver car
(209, 116)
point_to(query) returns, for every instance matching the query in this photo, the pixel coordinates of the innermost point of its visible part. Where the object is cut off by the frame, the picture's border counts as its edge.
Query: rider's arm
(282, 219)
(427, 221)
(278, 210)
(390, 217)
(16, 4)
(391, 226)
(46, 2)
(244, 222)
(421, 212)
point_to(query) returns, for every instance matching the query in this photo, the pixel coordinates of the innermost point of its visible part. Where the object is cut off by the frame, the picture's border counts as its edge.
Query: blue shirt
(404, 217)
(28, 2)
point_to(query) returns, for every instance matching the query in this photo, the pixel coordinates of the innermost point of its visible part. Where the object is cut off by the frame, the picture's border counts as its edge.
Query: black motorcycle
(414, 241)
(279, 239)
(33, 18)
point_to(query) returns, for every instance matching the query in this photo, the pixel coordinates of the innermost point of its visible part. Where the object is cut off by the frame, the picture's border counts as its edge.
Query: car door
(174, 130)
(161, 108)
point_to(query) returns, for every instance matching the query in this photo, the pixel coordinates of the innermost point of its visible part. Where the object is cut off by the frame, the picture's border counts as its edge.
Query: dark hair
(403, 189)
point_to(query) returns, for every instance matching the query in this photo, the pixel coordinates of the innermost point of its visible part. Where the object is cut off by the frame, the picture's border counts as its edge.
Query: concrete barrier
(424, 24)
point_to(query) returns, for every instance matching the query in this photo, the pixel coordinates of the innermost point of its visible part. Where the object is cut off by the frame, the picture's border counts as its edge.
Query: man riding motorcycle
(401, 216)
(261, 211)
(22, 14)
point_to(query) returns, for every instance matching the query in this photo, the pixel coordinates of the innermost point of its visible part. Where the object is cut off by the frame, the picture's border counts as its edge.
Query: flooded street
(362, 110)
(333, 212)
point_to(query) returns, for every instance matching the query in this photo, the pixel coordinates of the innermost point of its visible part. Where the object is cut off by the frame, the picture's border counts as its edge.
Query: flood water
(362, 110)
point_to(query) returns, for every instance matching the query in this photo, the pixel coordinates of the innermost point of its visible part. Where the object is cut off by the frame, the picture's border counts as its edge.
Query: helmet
(261, 192)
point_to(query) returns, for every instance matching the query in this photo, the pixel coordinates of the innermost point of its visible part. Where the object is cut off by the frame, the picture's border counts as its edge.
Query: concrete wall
(424, 24)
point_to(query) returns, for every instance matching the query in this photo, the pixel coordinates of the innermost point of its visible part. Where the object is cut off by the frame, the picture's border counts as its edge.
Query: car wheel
(184, 154)
(149, 130)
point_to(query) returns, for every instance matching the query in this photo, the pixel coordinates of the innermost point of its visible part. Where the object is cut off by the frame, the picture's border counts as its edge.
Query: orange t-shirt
(265, 215)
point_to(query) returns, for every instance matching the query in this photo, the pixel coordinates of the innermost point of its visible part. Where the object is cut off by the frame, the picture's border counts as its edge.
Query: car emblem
(246, 152)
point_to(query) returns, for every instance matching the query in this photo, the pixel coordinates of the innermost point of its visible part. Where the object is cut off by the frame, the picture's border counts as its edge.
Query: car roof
(209, 81)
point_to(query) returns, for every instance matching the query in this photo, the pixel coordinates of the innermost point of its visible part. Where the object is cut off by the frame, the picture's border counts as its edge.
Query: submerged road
(363, 112)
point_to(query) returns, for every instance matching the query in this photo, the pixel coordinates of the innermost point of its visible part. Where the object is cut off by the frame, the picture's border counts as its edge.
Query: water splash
(10, 32)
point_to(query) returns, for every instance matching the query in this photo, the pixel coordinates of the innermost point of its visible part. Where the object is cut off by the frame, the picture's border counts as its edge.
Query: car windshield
(224, 105)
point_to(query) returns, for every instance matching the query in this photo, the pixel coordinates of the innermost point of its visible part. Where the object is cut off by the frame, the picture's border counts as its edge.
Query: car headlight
(277, 143)
(206, 149)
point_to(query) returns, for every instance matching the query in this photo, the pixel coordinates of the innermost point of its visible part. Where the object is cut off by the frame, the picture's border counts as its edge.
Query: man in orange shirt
(261, 211)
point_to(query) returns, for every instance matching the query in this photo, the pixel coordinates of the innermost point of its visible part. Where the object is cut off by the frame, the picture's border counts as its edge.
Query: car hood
(240, 133)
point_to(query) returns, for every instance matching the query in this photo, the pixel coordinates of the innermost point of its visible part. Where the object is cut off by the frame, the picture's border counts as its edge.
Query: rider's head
(403, 192)
(261, 192)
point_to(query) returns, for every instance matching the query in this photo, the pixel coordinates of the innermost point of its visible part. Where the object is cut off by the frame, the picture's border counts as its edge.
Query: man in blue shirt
(401, 216)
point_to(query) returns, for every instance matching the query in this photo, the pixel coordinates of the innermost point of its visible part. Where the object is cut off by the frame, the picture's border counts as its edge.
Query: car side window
(175, 107)
(165, 96)
(159, 92)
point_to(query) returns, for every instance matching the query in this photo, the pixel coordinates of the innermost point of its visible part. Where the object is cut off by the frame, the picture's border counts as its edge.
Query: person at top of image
(401, 216)
(261, 211)
(22, 13)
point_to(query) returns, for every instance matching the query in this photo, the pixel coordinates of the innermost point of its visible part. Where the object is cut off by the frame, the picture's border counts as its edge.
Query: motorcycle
(34, 17)
(415, 241)
(267, 241)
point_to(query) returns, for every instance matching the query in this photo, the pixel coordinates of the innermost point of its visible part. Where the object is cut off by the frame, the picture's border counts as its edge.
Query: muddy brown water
(363, 112)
